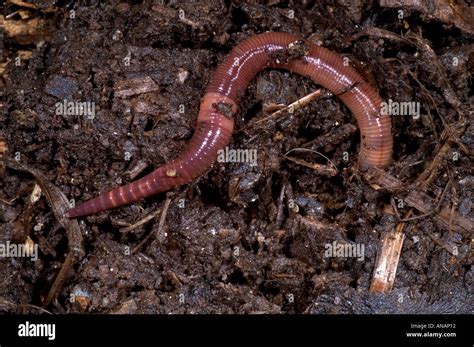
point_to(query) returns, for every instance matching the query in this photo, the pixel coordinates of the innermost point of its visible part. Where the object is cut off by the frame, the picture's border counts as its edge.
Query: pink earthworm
(215, 120)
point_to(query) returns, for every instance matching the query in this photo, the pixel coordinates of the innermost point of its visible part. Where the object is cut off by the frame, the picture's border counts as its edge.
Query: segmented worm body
(215, 121)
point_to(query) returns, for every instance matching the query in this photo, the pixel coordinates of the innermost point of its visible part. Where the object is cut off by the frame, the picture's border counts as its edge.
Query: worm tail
(121, 195)
(213, 132)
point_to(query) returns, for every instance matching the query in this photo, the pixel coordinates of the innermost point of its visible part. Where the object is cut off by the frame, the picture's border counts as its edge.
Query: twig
(160, 225)
(429, 173)
(409, 166)
(336, 136)
(280, 205)
(388, 256)
(319, 168)
(291, 108)
(59, 205)
(58, 281)
(431, 212)
(395, 209)
(447, 127)
(377, 32)
(140, 222)
(421, 201)
(135, 86)
(3, 201)
(6, 302)
(448, 91)
(137, 169)
(426, 93)
(323, 169)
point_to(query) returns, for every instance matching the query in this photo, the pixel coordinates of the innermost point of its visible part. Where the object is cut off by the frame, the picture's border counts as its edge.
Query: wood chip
(135, 86)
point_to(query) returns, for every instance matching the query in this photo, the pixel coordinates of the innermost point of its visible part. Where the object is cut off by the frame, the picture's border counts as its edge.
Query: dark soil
(231, 242)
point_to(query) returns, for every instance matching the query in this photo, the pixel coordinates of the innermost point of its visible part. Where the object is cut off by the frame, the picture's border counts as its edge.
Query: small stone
(182, 75)
(117, 36)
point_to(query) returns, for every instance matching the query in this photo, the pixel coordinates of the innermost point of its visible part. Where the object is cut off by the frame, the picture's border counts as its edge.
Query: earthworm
(215, 120)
